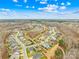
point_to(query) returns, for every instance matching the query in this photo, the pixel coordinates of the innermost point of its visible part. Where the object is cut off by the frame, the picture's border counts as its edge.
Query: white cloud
(4, 9)
(62, 7)
(76, 12)
(49, 8)
(33, 6)
(4, 13)
(18, 1)
(43, 2)
(35, 15)
(15, 0)
(27, 6)
(56, 0)
(7, 12)
(18, 5)
(25, 1)
(62, 3)
(68, 3)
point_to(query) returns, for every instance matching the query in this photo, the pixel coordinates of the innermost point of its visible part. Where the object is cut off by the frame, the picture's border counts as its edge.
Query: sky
(39, 9)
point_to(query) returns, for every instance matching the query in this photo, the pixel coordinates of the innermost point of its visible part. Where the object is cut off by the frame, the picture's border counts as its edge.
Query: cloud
(49, 8)
(4, 9)
(62, 3)
(62, 7)
(25, 1)
(18, 5)
(38, 15)
(4, 13)
(30, 7)
(15, 0)
(76, 12)
(7, 12)
(33, 6)
(43, 2)
(27, 6)
(56, 0)
(68, 3)
(12, 15)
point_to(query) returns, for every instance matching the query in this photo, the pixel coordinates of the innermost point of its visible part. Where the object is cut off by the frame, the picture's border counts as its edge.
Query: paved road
(22, 45)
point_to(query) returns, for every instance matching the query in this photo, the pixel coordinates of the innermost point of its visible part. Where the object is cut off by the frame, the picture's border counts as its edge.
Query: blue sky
(39, 9)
